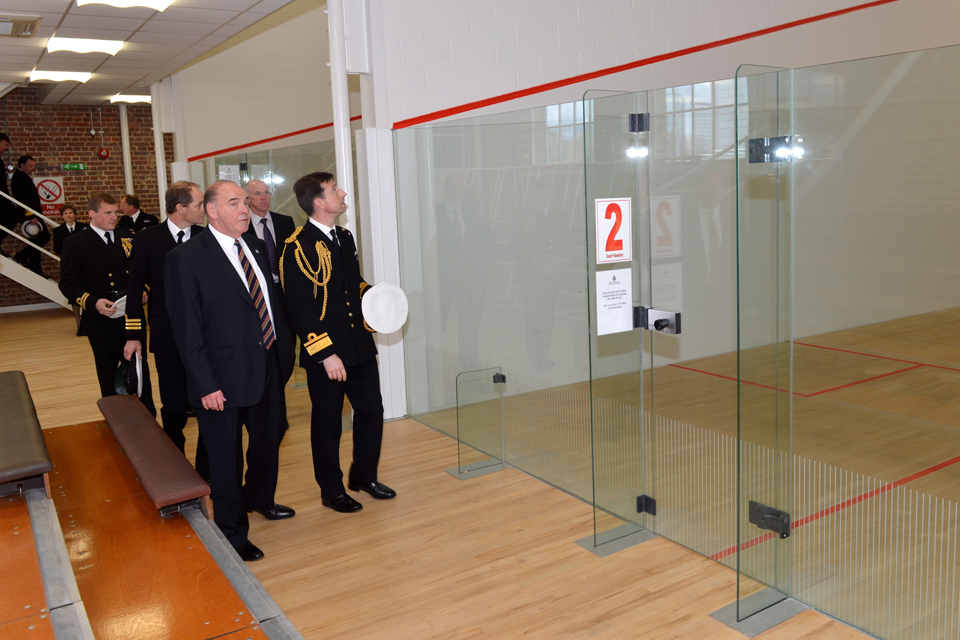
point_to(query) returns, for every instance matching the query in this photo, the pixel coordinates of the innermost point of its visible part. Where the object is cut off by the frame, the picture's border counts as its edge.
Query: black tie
(333, 236)
(109, 239)
(271, 248)
(180, 237)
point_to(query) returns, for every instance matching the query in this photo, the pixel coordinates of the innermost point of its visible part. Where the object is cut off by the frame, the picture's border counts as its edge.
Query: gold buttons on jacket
(111, 284)
(348, 304)
(350, 314)
(110, 275)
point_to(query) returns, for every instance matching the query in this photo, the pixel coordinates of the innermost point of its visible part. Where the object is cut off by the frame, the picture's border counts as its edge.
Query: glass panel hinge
(656, 320)
(646, 504)
(780, 149)
(769, 518)
(499, 377)
(639, 122)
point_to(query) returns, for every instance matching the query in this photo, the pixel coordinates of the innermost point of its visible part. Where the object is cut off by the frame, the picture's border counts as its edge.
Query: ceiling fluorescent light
(157, 5)
(120, 98)
(59, 76)
(84, 45)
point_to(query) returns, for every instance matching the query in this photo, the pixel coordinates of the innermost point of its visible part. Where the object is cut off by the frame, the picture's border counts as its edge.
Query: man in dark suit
(273, 228)
(93, 273)
(323, 287)
(23, 189)
(184, 205)
(237, 354)
(69, 227)
(132, 219)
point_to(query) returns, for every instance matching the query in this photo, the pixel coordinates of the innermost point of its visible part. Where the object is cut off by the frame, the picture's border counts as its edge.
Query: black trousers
(30, 258)
(222, 435)
(107, 356)
(173, 411)
(362, 387)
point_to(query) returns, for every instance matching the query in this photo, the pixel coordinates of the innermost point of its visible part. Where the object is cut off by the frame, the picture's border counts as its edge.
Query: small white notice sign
(614, 237)
(614, 301)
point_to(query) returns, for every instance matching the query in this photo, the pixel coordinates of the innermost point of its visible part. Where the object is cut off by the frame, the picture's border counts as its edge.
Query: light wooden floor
(493, 557)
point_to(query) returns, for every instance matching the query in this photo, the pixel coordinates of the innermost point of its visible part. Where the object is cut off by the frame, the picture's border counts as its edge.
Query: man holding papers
(93, 273)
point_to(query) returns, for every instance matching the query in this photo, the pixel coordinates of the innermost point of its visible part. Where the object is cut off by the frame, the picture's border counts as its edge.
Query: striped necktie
(269, 336)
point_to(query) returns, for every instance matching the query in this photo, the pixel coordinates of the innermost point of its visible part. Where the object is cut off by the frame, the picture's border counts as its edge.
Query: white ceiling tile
(140, 13)
(247, 19)
(227, 5)
(146, 37)
(68, 57)
(229, 30)
(34, 6)
(165, 26)
(197, 15)
(153, 47)
(212, 41)
(47, 64)
(269, 6)
(97, 34)
(101, 22)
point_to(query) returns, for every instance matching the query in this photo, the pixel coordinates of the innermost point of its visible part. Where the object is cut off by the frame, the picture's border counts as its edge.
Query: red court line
(842, 505)
(870, 355)
(557, 84)
(264, 141)
(797, 393)
(717, 375)
(850, 384)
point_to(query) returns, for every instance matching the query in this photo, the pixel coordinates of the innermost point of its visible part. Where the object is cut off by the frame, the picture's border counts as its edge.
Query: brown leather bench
(24, 461)
(169, 479)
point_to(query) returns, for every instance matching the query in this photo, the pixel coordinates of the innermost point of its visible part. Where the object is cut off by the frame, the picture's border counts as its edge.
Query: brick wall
(55, 134)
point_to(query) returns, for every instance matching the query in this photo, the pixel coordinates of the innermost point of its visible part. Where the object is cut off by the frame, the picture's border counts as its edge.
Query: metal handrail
(39, 215)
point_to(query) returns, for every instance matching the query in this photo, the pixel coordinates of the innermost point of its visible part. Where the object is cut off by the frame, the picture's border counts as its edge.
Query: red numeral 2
(612, 243)
(666, 240)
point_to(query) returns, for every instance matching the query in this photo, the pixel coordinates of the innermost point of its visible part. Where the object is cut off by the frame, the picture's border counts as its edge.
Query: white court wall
(445, 54)
(268, 85)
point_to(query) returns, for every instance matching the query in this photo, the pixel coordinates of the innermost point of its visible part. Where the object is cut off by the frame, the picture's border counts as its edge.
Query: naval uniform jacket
(61, 233)
(143, 221)
(90, 270)
(150, 249)
(339, 328)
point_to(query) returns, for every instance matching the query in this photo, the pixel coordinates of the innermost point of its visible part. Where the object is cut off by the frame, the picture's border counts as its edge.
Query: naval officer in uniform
(322, 286)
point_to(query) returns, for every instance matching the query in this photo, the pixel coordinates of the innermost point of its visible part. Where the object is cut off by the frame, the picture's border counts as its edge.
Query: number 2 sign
(614, 237)
(665, 226)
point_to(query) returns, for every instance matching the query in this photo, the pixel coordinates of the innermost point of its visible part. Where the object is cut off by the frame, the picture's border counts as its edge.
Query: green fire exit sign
(74, 166)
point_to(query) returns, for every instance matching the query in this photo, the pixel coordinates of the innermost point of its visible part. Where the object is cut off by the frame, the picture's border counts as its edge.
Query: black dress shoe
(276, 512)
(343, 504)
(249, 552)
(375, 489)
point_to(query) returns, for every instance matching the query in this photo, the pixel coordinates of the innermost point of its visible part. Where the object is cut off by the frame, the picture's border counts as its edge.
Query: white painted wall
(445, 53)
(274, 83)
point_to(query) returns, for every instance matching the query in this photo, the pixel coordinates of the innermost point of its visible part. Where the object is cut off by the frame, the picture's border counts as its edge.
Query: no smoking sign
(51, 195)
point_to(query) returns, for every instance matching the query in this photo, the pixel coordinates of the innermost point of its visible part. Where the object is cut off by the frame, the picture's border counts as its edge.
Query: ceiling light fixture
(84, 45)
(158, 5)
(120, 98)
(59, 76)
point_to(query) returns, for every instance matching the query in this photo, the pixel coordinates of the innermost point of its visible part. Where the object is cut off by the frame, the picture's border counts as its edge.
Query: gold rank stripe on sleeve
(363, 287)
(82, 301)
(317, 343)
(133, 324)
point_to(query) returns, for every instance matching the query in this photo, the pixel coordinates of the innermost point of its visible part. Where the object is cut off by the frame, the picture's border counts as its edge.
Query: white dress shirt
(135, 215)
(226, 243)
(326, 230)
(103, 234)
(255, 221)
(175, 230)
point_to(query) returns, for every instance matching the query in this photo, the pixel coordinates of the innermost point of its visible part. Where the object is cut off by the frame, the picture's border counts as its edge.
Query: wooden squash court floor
(493, 557)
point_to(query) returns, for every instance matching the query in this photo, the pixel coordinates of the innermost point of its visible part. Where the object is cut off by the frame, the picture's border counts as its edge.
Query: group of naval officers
(223, 304)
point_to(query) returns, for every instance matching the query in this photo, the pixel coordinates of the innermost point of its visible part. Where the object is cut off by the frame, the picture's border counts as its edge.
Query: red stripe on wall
(264, 141)
(557, 84)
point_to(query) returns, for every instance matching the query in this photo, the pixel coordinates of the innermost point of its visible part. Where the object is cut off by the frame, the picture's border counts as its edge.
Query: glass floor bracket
(779, 610)
(614, 540)
(477, 469)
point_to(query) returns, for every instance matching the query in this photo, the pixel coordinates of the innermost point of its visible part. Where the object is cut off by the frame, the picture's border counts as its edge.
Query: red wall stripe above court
(557, 84)
(264, 141)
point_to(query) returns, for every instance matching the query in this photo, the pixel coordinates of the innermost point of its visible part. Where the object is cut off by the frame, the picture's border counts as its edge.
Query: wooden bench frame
(169, 479)
(24, 460)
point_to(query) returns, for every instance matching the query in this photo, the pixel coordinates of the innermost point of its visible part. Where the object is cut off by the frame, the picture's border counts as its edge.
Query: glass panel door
(479, 419)
(617, 261)
(765, 348)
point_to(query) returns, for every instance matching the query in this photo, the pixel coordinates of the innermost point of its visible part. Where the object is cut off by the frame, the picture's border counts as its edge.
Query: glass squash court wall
(818, 373)
(850, 332)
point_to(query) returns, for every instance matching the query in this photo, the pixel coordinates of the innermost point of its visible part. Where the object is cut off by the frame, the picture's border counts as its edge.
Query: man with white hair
(271, 227)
